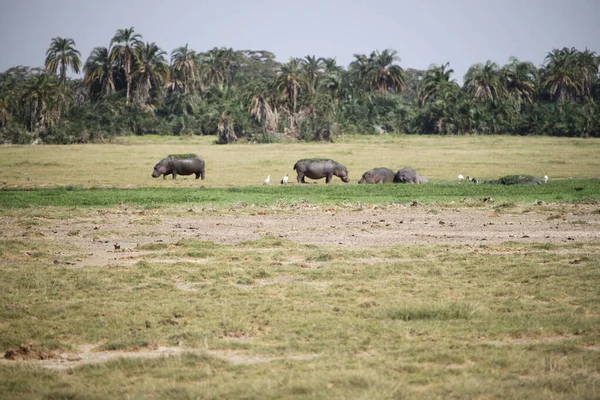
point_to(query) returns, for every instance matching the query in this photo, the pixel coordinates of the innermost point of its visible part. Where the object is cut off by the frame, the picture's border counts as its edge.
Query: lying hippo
(318, 168)
(409, 175)
(378, 175)
(517, 180)
(179, 164)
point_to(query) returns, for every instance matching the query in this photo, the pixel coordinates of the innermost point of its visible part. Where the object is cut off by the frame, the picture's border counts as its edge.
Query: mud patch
(86, 355)
(29, 352)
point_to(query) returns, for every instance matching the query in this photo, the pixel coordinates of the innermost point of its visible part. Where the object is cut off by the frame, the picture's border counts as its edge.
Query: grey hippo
(518, 180)
(180, 164)
(378, 175)
(409, 175)
(319, 168)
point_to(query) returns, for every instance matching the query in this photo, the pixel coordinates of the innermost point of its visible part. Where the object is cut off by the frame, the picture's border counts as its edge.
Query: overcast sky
(423, 32)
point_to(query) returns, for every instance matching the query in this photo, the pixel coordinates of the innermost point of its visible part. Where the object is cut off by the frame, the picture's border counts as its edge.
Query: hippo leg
(328, 178)
(197, 175)
(202, 175)
(164, 176)
(174, 175)
(300, 178)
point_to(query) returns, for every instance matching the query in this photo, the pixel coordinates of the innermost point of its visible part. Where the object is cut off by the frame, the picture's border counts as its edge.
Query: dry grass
(130, 163)
(467, 299)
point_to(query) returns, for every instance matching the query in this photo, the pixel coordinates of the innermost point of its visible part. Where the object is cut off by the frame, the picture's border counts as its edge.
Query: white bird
(284, 180)
(266, 181)
(460, 177)
(545, 178)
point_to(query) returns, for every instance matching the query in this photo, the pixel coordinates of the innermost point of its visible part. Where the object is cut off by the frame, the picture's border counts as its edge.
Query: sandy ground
(111, 237)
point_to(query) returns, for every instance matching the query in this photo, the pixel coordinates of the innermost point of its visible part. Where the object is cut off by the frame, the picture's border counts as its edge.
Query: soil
(111, 236)
(88, 354)
(29, 352)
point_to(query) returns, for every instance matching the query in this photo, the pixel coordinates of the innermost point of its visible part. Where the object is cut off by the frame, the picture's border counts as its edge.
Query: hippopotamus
(516, 180)
(318, 168)
(182, 164)
(378, 175)
(409, 175)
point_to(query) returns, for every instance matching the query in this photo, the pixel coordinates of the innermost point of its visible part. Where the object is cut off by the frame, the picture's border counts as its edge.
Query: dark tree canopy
(136, 87)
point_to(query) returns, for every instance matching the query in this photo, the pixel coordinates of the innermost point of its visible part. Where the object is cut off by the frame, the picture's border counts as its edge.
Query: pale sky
(423, 32)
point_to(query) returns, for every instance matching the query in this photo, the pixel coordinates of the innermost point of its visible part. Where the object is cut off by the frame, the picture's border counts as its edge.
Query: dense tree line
(133, 87)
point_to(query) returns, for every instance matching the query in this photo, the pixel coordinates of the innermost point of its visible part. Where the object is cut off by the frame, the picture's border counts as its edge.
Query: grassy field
(238, 290)
(440, 159)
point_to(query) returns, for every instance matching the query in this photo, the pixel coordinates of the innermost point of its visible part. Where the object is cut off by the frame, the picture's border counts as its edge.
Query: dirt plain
(105, 237)
(109, 236)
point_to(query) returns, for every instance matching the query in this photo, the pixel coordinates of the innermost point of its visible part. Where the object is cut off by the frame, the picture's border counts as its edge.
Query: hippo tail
(295, 166)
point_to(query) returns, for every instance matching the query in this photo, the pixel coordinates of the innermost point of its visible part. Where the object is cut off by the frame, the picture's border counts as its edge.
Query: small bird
(266, 181)
(284, 180)
(460, 177)
(545, 178)
(475, 181)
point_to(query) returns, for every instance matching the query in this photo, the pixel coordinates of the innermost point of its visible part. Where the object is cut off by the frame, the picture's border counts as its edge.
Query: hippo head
(159, 169)
(343, 174)
(367, 177)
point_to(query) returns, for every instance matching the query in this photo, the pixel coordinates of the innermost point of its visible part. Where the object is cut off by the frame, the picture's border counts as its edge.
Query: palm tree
(44, 99)
(184, 64)
(520, 78)
(151, 71)
(223, 106)
(312, 68)
(588, 63)
(290, 81)
(123, 51)
(218, 66)
(482, 82)
(382, 74)
(99, 70)
(211, 70)
(437, 82)
(261, 104)
(358, 69)
(330, 65)
(62, 55)
(562, 75)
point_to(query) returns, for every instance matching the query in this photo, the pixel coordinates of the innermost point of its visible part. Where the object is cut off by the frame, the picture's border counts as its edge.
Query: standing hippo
(179, 164)
(378, 175)
(409, 175)
(318, 168)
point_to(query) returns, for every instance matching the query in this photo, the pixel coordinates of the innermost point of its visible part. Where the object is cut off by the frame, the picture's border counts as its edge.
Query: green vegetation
(183, 156)
(271, 319)
(132, 88)
(128, 163)
(517, 180)
(316, 159)
(563, 191)
(133, 287)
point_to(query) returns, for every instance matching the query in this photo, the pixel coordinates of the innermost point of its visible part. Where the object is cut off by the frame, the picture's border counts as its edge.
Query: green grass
(128, 163)
(474, 323)
(562, 191)
(272, 318)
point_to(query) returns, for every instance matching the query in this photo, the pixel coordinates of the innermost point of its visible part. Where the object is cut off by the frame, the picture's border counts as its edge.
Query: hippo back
(378, 175)
(317, 168)
(409, 175)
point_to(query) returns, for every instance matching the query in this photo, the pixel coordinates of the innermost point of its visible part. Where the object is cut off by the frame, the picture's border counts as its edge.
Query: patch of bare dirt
(29, 352)
(86, 354)
(112, 237)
